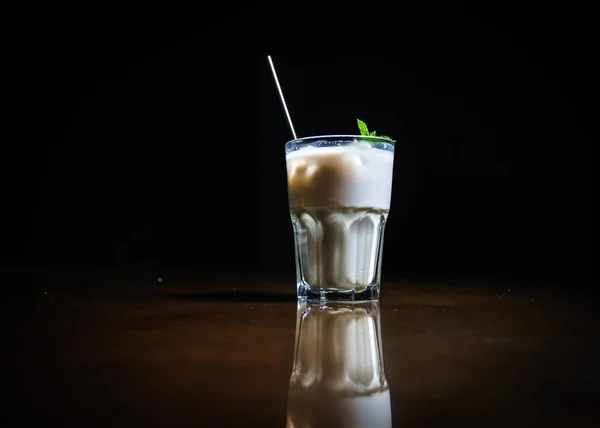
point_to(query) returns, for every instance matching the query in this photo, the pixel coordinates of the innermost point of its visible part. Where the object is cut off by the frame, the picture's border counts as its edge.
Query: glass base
(306, 293)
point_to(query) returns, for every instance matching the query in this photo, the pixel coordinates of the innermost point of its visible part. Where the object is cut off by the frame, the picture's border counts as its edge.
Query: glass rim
(312, 139)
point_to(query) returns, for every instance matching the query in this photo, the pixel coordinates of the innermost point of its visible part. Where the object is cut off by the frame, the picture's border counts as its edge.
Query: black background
(154, 141)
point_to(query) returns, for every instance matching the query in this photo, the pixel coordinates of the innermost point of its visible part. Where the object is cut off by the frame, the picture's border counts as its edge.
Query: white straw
(287, 113)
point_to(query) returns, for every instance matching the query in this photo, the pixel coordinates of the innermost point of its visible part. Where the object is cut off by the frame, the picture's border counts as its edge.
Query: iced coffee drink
(339, 190)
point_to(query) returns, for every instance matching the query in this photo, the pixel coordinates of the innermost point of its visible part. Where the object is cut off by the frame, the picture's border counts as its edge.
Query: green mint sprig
(362, 127)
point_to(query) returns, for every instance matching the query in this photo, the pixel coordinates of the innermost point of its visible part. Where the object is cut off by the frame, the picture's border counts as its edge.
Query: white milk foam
(354, 176)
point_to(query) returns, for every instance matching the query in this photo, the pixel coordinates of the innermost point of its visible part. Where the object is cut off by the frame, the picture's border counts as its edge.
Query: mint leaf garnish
(362, 127)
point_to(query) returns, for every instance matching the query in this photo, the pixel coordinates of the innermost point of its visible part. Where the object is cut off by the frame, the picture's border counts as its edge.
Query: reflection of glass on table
(338, 377)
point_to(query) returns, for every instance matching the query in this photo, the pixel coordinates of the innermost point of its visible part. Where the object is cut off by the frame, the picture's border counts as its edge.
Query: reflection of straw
(281, 96)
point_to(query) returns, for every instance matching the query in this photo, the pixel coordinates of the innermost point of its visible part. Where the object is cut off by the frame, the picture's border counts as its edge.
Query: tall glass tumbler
(339, 189)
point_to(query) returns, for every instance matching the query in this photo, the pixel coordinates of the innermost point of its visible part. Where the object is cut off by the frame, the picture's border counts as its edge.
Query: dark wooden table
(178, 354)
